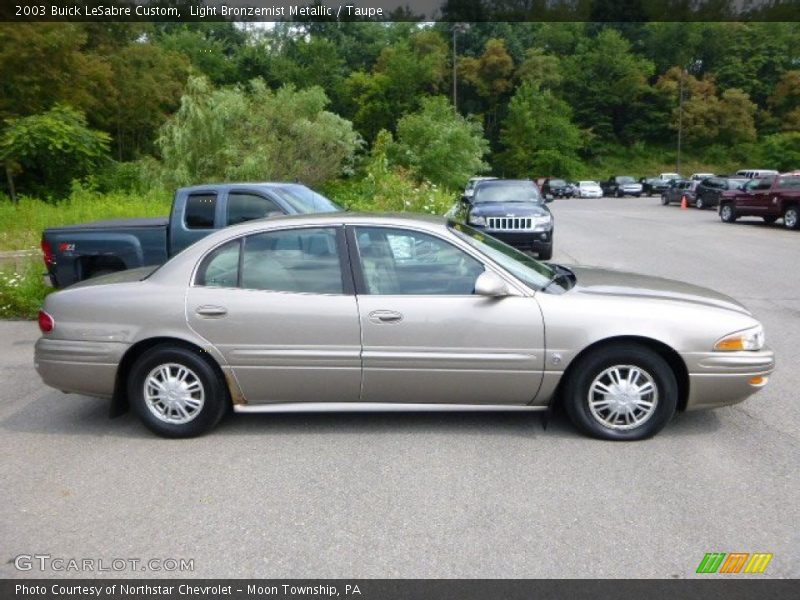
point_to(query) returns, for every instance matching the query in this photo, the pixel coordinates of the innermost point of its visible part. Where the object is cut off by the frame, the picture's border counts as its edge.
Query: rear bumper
(88, 368)
(724, 378)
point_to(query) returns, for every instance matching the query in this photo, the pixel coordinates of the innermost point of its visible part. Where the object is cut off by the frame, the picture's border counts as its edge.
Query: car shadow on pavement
(67, 414)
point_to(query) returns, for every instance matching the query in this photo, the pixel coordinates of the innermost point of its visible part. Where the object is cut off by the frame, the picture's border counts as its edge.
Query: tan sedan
(348, 312)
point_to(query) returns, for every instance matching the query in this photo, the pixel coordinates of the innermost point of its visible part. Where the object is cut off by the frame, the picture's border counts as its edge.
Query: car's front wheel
(546, 253)
(664, 199)
(621, 392)
(176, 391)
(791, 218)
(727, 213)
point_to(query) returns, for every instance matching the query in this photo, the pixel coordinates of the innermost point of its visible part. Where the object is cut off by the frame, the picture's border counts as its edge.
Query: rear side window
(200, 210)
(220, 268)
(297, 260)
(789, 183)
(243, 207)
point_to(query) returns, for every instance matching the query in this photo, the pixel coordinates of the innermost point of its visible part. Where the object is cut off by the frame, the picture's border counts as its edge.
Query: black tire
(594, 365)
(769, 220)
(547, 253)
(215, 395)
(638, 195)
(664, 200)
(727, 213)
(791, 217)
(620, 194)
(699, 203)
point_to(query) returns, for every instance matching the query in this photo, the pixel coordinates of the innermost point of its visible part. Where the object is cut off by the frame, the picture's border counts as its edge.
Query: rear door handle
(211, 311)
(385, 316)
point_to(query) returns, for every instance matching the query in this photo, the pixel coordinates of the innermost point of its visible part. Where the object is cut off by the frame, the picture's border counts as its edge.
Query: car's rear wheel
(791, 218)
(664, 199)
(621, 392)
(727, 213)
(176, 392)
(699, 203)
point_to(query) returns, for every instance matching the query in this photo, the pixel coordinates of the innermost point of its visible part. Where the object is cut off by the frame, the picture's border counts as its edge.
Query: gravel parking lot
(433, 495)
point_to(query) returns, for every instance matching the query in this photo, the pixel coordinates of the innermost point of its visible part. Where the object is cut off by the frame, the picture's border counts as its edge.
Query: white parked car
(589, 189)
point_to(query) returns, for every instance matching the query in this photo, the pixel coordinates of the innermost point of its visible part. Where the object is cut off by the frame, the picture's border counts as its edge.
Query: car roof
(243, 184)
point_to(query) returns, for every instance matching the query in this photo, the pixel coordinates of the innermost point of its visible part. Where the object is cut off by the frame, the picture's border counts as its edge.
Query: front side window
(243, 206)
(200, 209)
(404, 262)
(295, 260)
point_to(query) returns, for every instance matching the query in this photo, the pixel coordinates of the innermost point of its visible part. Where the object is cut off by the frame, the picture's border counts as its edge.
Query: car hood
(607, 282)
(506, 209)
(120, 277)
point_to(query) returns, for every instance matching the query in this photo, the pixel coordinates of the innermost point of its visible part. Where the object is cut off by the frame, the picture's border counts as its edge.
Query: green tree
(441, 145)
(605, 76)
(784, 102)
(538, 135)
(51, 149)
(782, 150)
(254, 133)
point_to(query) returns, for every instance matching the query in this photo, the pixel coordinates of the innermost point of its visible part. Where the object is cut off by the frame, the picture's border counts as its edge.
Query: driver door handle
(211, 311)
(385, 316)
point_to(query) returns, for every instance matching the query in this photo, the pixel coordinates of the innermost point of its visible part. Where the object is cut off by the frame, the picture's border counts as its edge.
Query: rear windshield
(508, 192)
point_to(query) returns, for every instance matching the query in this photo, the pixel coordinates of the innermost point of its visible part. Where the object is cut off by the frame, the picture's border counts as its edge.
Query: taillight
(47, 251)
(46, 322)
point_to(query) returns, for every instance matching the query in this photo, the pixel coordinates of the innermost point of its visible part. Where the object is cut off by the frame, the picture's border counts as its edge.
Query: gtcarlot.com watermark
(61, 564)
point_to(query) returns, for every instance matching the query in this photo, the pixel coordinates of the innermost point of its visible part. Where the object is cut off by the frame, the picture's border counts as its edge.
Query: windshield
(625, 180)
(528, 270)
(305, 200)
(588, 184)
(508, 192)
(558, 183)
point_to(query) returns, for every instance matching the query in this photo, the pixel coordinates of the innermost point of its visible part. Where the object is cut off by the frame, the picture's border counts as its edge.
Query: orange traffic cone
(684, 203)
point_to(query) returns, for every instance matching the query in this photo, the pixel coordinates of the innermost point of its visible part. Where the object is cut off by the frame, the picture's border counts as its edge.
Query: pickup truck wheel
(791, 218)
(176, 392)
(727, 213)
(623, 392)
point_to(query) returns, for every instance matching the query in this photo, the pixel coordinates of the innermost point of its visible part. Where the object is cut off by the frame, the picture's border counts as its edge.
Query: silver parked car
(378, 312)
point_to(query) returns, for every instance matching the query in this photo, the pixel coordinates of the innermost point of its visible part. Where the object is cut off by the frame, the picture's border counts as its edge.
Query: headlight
(750, 339)
(477, 220)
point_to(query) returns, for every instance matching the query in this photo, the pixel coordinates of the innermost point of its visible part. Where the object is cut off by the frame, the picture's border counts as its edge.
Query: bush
(22, 291)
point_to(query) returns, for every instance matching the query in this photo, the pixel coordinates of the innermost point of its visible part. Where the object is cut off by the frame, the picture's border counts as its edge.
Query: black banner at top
(400, 10)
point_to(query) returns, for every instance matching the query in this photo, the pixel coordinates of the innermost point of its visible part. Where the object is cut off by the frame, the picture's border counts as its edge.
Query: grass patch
(21, 224)
(22, 291)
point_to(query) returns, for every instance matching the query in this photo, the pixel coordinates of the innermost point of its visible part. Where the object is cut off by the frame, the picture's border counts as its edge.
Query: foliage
(52, 149)
(440, 145)
(21, 224)
(22, 291)
(386, 188)
(782, 150)
(253, 133)
(538, 135)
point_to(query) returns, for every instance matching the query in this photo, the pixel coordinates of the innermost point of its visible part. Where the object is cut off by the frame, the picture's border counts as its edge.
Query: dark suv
(512, 210)
(558, 188)
(709, 190)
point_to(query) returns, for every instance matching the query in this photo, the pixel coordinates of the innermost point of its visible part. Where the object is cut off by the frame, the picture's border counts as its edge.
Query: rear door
(427, 338)
(280, 307)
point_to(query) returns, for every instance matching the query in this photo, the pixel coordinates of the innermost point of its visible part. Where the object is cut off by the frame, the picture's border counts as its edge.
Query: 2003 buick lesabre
(379, 312)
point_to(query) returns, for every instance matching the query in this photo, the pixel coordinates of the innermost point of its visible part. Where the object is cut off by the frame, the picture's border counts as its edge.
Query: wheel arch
(669, 354)
(119, 402)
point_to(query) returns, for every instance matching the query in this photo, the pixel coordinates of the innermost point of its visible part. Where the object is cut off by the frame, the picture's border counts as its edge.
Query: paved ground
(434, 495)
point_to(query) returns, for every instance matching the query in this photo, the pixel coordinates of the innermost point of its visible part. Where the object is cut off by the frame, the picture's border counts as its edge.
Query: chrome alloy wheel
(623, 397)
(174, 393)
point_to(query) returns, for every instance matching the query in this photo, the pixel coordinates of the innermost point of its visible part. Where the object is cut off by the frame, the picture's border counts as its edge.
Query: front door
(279, 307)
(427, 338)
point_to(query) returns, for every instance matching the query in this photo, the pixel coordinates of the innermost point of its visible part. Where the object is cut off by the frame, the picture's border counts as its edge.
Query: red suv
(771, 198)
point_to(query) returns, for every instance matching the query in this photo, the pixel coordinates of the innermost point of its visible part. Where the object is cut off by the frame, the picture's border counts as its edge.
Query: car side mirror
(491, 285)
(464, 199)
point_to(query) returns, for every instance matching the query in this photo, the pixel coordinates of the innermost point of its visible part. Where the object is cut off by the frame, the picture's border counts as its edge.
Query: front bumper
(523, 240)
(724, 378)
(81, 367)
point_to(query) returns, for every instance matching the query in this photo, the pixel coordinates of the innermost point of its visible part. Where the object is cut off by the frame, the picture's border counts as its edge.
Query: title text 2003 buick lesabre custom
(381, 312)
